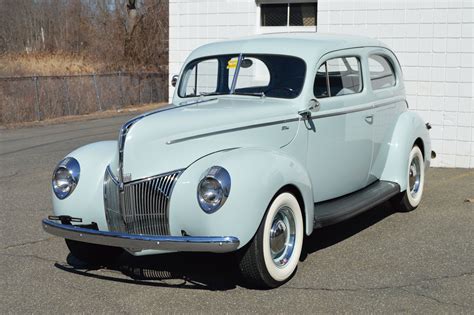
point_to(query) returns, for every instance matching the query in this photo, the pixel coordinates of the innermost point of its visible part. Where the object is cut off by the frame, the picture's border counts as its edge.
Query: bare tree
(127, 32)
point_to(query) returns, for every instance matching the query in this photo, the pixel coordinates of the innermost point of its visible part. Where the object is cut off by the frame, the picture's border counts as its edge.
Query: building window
(274, 14)
(288, 14)
(303, 14)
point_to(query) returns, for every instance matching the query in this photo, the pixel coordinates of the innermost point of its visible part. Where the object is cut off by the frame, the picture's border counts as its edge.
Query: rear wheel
(93, 253)
(272, 257)
(411, 198)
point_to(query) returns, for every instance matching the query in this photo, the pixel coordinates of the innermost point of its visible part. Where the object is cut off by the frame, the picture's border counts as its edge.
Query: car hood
(177, 136)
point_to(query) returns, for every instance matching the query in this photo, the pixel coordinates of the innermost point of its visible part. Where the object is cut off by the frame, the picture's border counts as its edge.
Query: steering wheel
(284, 88)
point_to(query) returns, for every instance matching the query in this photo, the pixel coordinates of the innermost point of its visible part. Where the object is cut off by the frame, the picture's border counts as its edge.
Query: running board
(345, 207)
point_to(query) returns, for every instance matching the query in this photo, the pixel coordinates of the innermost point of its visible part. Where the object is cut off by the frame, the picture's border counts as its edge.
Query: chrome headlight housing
(66, 177)
(213, 189)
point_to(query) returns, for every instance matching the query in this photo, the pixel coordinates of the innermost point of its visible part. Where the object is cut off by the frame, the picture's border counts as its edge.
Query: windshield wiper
(209, 93)
(258, 94)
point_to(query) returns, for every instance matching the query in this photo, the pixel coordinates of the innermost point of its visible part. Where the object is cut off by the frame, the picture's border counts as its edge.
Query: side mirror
(174, 80)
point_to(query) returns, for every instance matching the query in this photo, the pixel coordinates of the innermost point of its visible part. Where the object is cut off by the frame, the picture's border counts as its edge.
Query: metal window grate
(144, 207)
(274, 14)
(303, 14)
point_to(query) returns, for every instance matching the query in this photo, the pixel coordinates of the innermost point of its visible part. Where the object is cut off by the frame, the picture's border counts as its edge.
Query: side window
(338, 76)
(381, 72)
(202, 78)
(321, 84)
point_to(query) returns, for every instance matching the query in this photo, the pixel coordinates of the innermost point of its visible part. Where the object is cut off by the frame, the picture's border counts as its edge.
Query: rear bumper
(214, 244)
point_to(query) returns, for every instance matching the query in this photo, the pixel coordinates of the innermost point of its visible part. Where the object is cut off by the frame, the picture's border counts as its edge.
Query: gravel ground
(380, 261)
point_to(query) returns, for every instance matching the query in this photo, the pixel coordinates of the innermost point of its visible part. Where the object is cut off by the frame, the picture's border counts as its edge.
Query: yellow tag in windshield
(232, 63)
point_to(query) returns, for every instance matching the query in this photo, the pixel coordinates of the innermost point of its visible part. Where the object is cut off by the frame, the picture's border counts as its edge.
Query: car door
(340, 139)
(389, 102)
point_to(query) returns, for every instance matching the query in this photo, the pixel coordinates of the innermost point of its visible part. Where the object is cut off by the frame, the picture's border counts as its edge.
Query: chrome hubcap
(414, 176)
(282, 236)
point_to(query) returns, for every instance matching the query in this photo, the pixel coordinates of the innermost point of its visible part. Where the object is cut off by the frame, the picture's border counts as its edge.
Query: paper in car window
(232, 63)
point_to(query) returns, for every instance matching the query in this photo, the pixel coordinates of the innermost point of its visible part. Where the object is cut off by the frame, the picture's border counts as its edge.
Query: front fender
(257, 174)
(86, 201)
(408, 129)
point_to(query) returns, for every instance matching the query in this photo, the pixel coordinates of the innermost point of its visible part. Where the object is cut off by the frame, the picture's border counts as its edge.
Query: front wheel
(410, 199)
(271, 258)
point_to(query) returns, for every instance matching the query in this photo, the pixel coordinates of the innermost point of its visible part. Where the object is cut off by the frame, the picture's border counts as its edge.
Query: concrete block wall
(432, 38)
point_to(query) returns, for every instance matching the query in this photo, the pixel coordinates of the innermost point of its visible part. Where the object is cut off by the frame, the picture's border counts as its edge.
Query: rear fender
(408, 129)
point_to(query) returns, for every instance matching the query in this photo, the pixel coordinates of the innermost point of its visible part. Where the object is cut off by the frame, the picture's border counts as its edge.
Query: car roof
(332, 41)
(301, 44)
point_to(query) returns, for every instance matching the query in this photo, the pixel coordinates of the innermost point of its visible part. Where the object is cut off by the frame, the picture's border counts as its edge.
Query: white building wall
(432, 38)
(196, 22)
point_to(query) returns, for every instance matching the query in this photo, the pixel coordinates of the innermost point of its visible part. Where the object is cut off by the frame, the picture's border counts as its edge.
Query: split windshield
(252, 74)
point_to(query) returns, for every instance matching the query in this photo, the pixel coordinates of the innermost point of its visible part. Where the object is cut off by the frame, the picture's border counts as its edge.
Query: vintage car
(267, 138)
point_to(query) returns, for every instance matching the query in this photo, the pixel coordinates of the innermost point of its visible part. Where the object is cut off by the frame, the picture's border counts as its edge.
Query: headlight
(213, 189)
(65, 177)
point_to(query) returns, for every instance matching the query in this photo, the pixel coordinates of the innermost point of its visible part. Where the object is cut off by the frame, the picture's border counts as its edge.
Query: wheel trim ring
(281, 253)
(283, 274)
(414, 176)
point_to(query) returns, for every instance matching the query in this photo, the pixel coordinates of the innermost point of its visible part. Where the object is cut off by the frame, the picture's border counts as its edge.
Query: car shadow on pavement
(333, 234)
(205, 271)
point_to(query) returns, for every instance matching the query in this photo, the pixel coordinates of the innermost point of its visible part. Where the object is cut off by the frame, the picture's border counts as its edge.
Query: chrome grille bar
(144, 209)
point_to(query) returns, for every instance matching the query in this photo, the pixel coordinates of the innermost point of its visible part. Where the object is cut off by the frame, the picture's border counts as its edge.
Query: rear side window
(381, 72)
(337, 77)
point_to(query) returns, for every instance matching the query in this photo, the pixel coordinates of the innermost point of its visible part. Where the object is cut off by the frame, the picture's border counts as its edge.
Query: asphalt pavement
(379, 262)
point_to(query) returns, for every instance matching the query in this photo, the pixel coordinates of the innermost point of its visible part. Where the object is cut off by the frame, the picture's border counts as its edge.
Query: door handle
(369, 119)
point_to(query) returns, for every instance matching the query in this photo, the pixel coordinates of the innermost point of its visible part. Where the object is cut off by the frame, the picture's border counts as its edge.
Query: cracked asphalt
(381, 261)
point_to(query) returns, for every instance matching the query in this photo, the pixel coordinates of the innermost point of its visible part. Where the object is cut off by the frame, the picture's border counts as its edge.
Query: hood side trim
(213, 133)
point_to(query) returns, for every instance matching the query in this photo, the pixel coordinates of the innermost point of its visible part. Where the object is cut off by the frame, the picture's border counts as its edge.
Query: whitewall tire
(411, 198)
(273, 255)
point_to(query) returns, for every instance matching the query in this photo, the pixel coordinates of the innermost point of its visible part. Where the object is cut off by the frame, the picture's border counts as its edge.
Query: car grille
(144, 205)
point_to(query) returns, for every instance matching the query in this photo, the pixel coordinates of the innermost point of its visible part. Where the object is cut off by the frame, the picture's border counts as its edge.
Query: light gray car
(267, 138)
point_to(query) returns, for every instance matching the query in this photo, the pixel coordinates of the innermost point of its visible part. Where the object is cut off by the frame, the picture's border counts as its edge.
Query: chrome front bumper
(213, 244)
